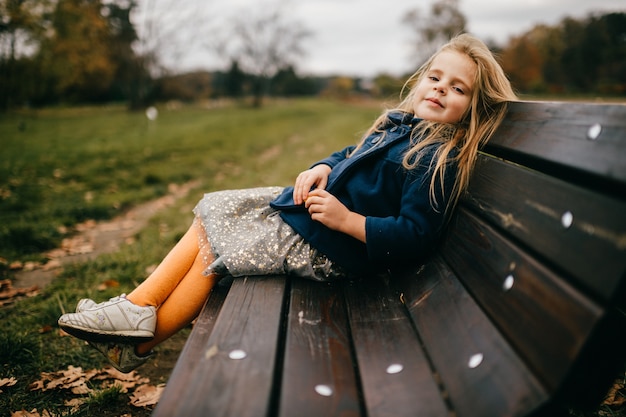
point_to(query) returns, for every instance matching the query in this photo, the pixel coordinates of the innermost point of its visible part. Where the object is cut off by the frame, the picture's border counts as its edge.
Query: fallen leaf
(36, 386)
(616, 396)
(52, 264)
(7, 382)
(75, 403)
(7, 292)
(147, 395)
(45, 329)
(110, 283)
(15, 265)
(32, 413)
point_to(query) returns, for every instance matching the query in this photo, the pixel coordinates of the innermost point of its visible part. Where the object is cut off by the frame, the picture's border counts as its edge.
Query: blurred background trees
(586, 56)
(90, 51)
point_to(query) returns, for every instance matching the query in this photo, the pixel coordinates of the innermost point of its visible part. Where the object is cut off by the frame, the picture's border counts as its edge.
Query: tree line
(85, 51)
(576, 56)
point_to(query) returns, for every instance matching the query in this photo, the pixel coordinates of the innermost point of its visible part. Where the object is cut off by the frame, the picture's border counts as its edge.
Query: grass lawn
(62, 166)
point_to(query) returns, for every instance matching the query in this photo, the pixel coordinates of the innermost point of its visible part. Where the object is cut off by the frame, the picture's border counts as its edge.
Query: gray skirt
(241, 235)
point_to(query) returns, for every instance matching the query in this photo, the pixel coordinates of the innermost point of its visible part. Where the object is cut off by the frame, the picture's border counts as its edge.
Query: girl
(374, 208)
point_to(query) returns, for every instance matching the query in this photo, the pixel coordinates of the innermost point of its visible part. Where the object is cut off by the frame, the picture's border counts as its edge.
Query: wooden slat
(531, 206)
(318, 355)
(249, 321)
(192, 351)
(456, 335)
(557, 133)
(384, 339)
(546, 319)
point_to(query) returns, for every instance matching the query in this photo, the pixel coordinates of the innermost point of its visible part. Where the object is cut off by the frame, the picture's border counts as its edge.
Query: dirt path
(96, 238)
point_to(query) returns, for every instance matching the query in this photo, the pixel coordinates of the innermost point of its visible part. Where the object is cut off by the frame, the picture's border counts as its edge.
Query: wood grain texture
(531, 207)
(536, 133)
(319, 377)
(395, 373)
(192, 351)
(546, 320)
(481, 373)
(248, 321)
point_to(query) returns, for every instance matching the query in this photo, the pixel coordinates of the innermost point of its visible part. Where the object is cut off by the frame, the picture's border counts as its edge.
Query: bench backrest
(516, 314)
(533, 267)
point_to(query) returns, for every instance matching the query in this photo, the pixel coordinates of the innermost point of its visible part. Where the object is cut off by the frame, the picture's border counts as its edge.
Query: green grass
(53, 159)
(62, 166)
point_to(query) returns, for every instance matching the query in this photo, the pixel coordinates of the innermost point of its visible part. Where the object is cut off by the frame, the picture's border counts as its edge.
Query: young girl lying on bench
(372, 208)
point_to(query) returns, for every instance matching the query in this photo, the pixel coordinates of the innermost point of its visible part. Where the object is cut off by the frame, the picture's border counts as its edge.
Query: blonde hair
(490, 93)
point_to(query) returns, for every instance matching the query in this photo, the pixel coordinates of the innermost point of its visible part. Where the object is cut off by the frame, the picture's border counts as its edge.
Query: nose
(439, 88)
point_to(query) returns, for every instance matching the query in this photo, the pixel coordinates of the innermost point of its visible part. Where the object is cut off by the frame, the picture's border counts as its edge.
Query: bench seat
(518, 313)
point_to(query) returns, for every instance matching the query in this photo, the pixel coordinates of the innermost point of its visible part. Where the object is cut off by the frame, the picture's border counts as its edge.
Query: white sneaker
(86, 304)
(115, 320)
(121, 356)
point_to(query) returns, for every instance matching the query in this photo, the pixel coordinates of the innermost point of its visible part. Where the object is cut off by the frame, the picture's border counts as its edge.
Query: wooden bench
(516, 315)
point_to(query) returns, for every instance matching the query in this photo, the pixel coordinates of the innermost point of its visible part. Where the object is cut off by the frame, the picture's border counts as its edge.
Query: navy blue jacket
(401, 225)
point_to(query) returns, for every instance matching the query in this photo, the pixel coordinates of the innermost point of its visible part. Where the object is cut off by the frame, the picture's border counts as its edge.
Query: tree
(523, 60)
(78, 53)
(235, 80)
(130, 70)
(444, 21)
(575, 56)
(22, 25)
(262, 42)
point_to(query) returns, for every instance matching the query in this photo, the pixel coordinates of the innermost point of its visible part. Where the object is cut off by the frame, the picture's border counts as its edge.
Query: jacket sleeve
(412, 234)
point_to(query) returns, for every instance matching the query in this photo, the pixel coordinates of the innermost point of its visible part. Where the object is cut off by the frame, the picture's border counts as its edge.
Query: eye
(458, 90)
(433, 78)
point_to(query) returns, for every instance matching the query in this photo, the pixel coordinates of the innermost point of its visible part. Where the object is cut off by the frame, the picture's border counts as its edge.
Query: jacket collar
(399, 118)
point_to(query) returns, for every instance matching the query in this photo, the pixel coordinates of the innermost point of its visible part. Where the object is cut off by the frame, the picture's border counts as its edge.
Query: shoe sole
(133, 337)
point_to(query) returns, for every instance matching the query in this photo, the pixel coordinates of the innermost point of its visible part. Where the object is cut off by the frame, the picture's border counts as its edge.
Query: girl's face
(445, 92)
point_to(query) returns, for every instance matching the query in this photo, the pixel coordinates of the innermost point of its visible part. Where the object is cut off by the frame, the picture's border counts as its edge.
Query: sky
(363, 38)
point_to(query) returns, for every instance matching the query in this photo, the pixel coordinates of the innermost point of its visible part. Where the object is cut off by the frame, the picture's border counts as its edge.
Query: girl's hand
(328, 210)
(315, 177)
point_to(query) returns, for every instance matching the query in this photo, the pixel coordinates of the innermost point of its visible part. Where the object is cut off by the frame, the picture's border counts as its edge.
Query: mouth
(435, 101)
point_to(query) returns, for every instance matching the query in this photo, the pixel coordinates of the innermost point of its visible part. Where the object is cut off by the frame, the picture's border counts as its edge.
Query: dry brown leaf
(52, 264)
(70, 378)
(36, 386)
(616, 396)
(45, 329)
(120, 376)
(110, 283)
(147, 395)
(7, 291)
(32, 413)
(81, 389)
(7, 382)
(75, 403)
(15, 265)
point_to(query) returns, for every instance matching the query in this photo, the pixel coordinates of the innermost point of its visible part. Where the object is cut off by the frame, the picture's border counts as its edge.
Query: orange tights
(176, 287)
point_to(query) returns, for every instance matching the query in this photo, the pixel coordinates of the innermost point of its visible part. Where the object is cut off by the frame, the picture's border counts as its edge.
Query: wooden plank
(558, 133)
(546, 319)
(481, 372)
(223, 383)
(191, 354)
(318, 374)
(395, 374)
(532, 207)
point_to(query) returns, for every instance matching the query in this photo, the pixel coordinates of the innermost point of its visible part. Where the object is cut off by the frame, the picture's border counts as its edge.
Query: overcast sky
(366, 37)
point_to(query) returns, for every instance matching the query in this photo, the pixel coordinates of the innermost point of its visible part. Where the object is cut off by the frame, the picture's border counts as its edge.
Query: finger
(323, 183)
(299, 189)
